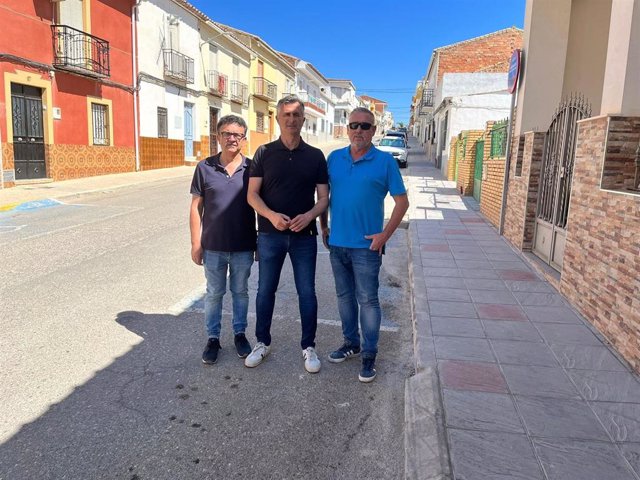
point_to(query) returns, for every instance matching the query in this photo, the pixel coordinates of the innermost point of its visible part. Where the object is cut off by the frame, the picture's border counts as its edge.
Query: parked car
(395, 133)
(397, 147)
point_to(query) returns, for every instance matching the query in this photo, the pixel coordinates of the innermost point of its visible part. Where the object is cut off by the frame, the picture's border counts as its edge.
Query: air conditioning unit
(56, 1)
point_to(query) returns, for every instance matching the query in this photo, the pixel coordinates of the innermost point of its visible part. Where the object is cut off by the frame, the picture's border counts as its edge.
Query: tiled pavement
(523, 386)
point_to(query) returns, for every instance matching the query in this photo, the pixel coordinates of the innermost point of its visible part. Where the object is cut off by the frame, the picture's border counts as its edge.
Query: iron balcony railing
(265, 89)
(78, 51)
(499, 139)
(177, 65)
(239, 93)
(427, 97)
(218, 83)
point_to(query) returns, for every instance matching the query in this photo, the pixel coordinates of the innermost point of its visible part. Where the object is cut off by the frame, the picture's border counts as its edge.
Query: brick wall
(602, 254)
(489, 52)
(622, 142)
(466, 164)
(453, 158)
(522, 194)
(491, 197)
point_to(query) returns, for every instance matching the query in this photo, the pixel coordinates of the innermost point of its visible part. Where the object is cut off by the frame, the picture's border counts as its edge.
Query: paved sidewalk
(519, 385)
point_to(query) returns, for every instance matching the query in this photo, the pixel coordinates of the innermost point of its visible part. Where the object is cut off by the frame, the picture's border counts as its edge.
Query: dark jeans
(356, 271)
(272, 250)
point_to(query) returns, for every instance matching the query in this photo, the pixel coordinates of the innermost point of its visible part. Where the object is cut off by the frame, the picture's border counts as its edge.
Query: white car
(397, 147)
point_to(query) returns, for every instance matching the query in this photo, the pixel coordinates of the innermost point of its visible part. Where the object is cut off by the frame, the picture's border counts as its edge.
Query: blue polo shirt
(358, 189)
(228, 222)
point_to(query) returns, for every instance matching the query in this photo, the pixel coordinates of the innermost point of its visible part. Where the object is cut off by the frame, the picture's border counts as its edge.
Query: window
(163, 123)
(100, 122)
(260, 122)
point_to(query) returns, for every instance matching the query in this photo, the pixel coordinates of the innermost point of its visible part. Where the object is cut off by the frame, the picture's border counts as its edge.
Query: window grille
(100, 117)
(163, 123)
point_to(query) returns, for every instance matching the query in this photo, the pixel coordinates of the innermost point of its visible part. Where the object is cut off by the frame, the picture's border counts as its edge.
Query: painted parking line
(194, 303)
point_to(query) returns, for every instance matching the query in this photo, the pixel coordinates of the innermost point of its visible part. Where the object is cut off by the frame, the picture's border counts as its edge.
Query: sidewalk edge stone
(426, 451)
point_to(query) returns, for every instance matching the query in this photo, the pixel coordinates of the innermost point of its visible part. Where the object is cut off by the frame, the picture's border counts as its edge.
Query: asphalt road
(101, 376)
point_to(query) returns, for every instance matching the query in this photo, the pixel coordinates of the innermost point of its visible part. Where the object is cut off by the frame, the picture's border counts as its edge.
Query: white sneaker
(259, 353)
(311, 360)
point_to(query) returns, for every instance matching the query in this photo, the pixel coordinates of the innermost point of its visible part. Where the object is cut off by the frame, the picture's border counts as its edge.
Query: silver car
(397, 147)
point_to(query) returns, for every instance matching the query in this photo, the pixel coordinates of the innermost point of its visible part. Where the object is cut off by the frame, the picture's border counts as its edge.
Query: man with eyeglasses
(286, 175)
(223, 234)
(360, 176)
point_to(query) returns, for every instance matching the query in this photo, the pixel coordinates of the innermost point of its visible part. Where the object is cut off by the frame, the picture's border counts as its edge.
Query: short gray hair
(289, 99)
(232, 119)
(364, 110)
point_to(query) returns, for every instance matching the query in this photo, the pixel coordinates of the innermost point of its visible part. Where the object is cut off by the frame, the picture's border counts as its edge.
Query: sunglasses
(362, 125)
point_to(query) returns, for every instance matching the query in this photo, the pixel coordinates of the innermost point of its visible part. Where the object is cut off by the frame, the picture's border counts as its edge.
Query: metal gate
(477, 171)
(555, 180)
(28, 132)
(213, 131)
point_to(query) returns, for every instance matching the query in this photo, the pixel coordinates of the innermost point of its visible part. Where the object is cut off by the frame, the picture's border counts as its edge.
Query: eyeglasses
(362, 125)
(235, 136)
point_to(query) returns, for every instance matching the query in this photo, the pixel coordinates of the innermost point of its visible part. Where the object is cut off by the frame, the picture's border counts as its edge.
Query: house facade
(66, 95)
(344, 92)
(270, 76)
(573, 196)
(465, 85)
(313, 89)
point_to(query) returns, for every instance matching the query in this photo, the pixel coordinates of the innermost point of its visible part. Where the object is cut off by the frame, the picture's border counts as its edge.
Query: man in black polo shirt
(285, 176)
(223, 233)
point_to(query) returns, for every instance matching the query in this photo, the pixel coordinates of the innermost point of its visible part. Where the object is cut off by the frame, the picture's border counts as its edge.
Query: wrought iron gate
(555, 180)
(28, 132)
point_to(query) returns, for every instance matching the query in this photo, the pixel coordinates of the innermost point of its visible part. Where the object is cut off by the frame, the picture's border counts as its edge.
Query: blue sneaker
(368, 371)
(343, 353)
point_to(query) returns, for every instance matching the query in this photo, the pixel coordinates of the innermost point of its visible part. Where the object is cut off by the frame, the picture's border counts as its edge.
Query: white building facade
(344, 92)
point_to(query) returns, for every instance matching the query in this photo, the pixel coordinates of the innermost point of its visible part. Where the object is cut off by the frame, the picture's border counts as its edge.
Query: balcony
(218, 83)
(264, 89)
(239, 93)
(427, 97)
(178, 66)
(313, 103)
(79, 52)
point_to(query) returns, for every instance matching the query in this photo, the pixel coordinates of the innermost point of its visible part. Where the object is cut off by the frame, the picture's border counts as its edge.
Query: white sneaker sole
(312, 370)
(366, 379)
(340, 360)
(251, 364)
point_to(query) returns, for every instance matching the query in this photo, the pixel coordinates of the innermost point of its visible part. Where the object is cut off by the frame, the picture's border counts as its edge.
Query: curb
(426, 451)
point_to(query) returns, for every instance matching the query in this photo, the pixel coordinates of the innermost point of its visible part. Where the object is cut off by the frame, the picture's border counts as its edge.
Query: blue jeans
(356, 271)
(272, 250)
(216, 265)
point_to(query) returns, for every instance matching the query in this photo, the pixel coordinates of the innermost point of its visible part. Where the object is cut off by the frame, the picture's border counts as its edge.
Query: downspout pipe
(134, 80)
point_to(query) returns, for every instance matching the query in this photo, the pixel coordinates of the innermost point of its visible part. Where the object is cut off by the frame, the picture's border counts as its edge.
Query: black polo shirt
(228, 222)
(289, 179)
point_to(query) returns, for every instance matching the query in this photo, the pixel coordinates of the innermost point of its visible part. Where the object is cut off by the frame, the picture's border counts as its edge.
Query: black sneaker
(368, 371)
(344, 352)
(210, 354)
(242, 345)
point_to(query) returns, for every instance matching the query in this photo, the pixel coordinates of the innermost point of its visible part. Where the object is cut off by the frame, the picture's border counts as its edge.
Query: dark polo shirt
(228, 222)
(289, 179)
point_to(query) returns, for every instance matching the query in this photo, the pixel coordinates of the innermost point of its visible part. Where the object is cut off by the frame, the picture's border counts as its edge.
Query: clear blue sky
(383, 47)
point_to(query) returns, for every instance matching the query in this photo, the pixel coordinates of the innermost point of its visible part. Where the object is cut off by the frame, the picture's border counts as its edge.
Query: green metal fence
(499, 139)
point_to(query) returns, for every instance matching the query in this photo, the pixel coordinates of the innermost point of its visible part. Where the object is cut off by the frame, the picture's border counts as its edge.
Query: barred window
(100, 117)
(163, 123)
(260, 122)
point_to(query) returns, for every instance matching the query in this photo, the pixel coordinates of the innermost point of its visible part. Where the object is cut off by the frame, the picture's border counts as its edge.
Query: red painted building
(66, 94)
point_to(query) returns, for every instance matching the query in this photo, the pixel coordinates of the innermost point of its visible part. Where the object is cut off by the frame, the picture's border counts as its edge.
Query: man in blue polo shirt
(223, 233)
(360, 176)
